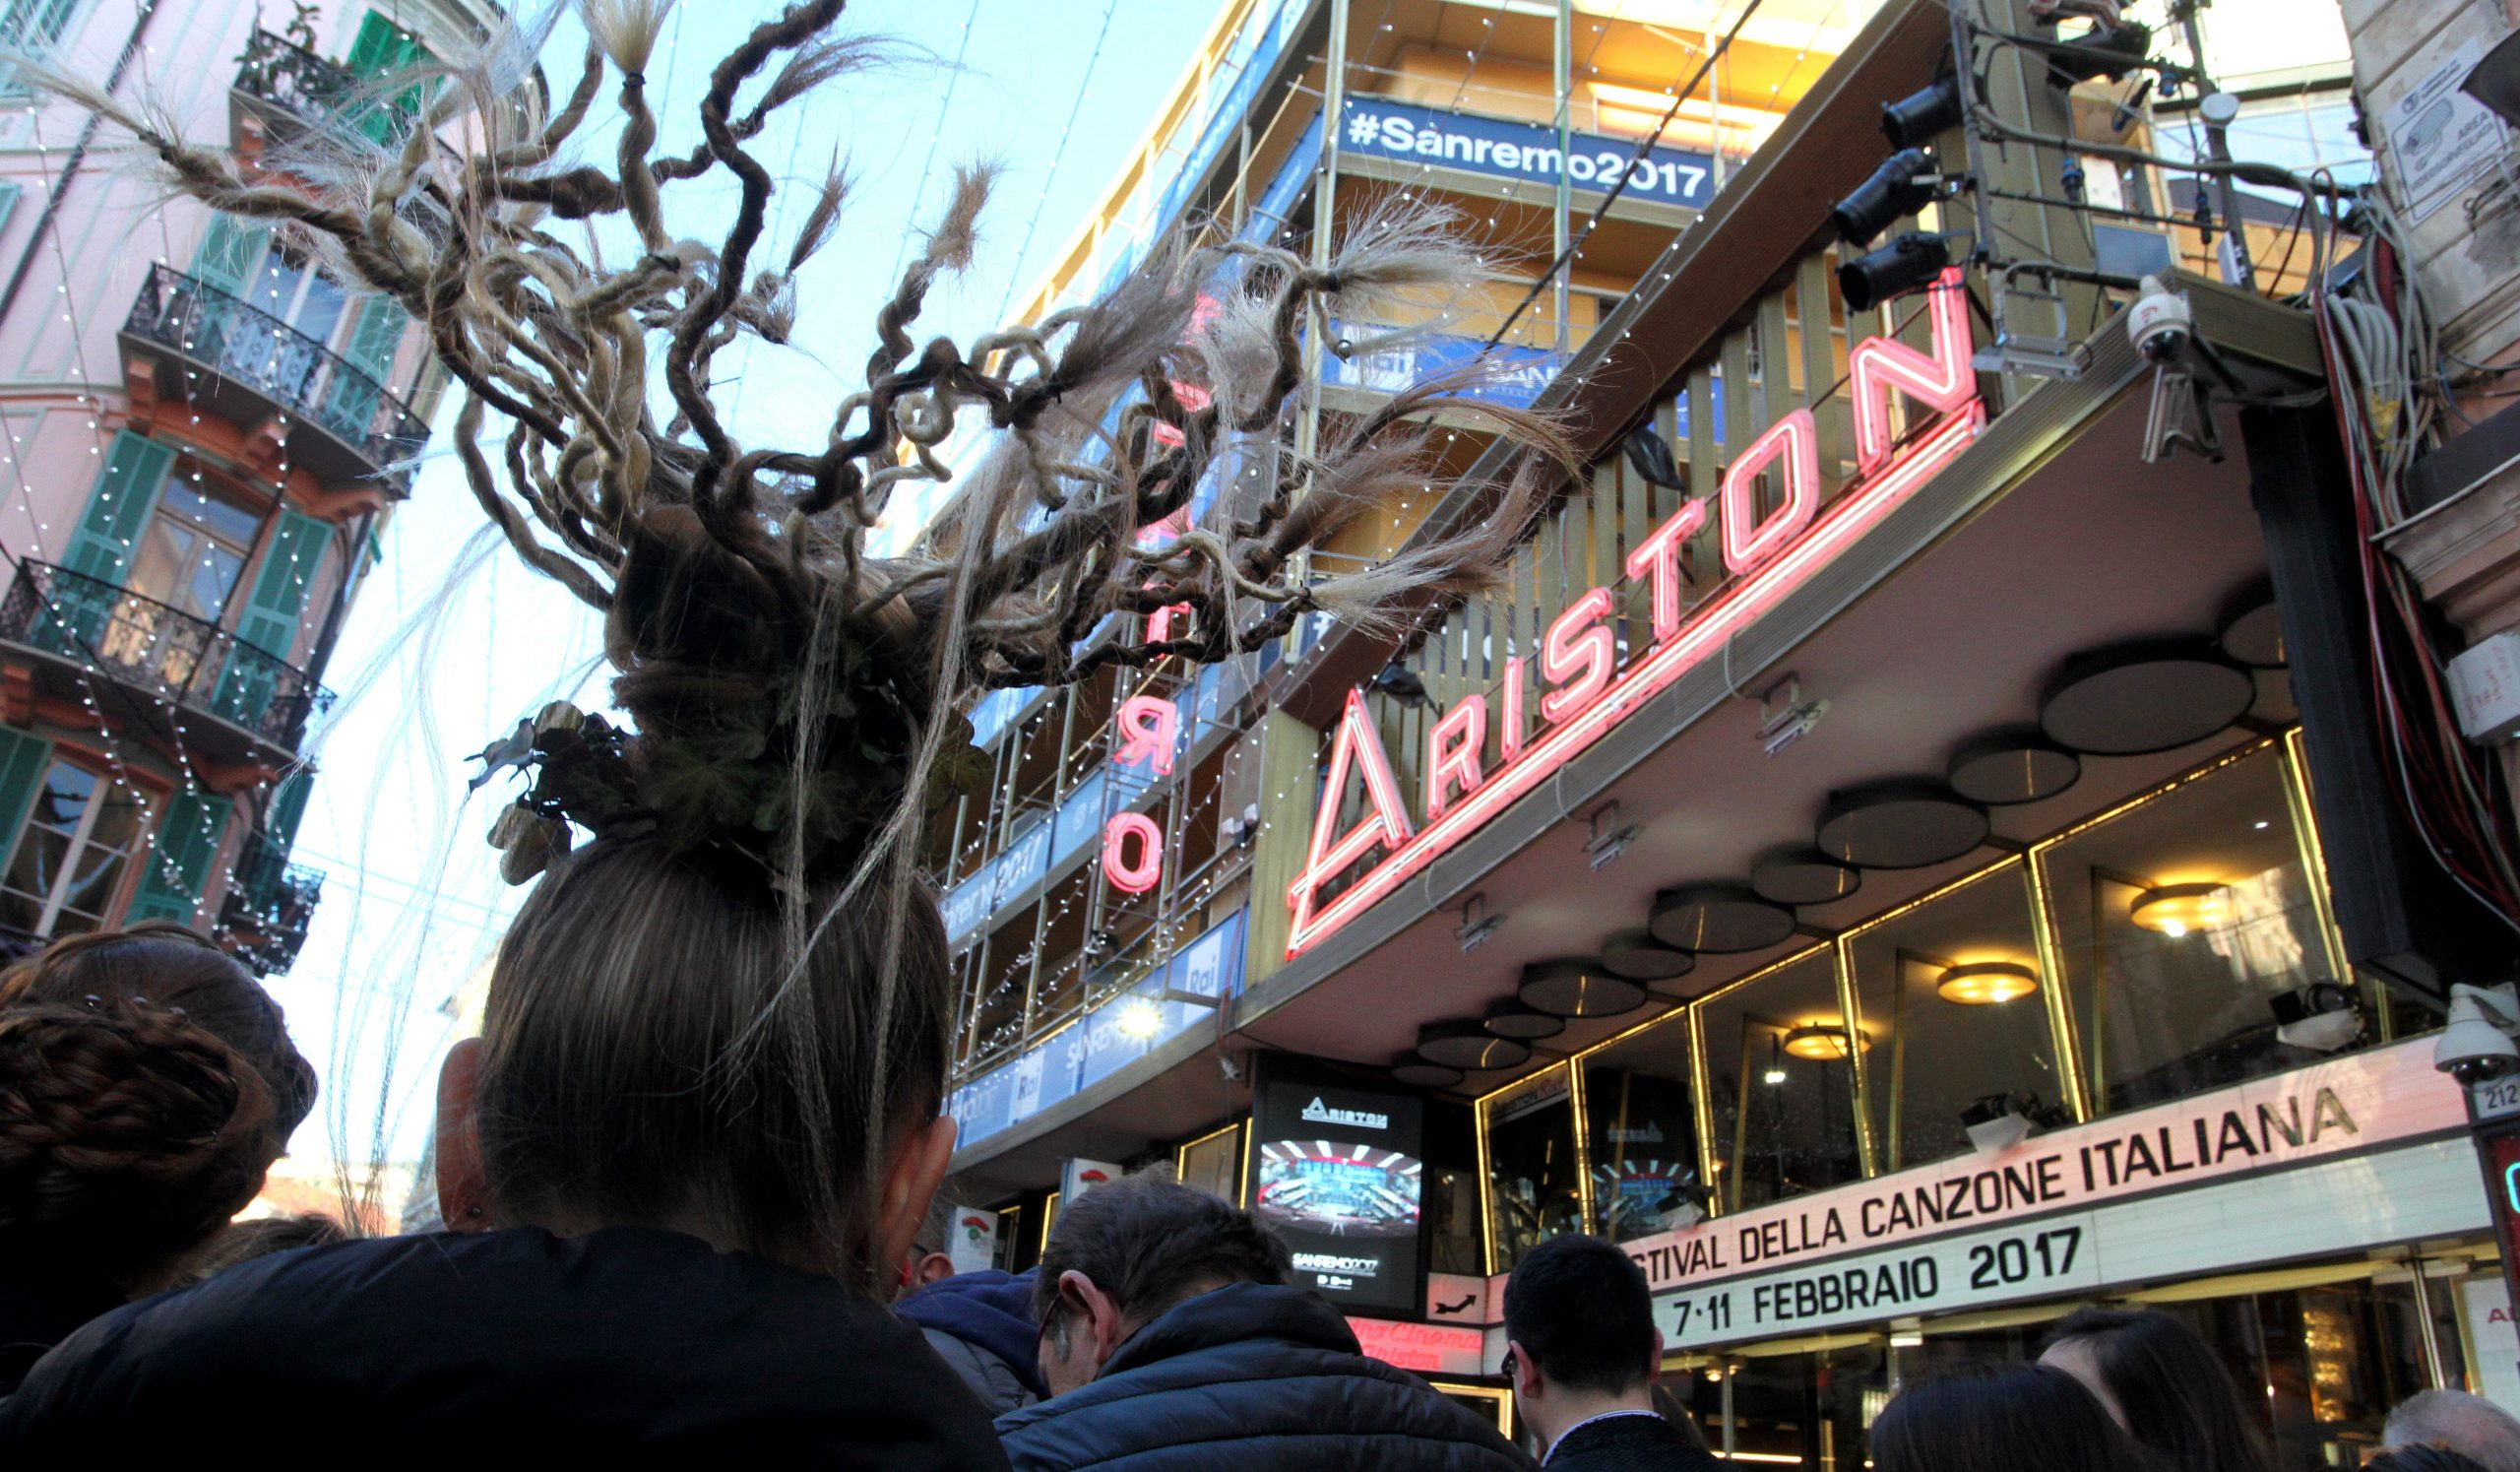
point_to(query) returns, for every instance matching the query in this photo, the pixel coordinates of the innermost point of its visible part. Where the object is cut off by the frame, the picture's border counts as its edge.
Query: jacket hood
(624, 1346)
(990, 1311)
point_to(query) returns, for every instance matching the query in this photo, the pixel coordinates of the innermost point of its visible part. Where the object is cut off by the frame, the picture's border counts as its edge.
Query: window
(1949, 990)
(1532, 1181)
(2180, 924)
(1781, 1079)
(193, 549)
(1639, 1119)
(34, 27)
(71, 857)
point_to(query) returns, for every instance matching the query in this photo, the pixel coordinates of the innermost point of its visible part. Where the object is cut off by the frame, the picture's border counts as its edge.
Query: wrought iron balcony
(290, 86)
(343, 424)
(161, 649)
(270, 904)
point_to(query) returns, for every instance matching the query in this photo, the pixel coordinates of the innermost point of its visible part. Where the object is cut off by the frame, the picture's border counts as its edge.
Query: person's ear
(916, 1169)
(1095, 1315)
(462, 1185)
(935, 1268)
(1527, 1380)
(1653, 1371)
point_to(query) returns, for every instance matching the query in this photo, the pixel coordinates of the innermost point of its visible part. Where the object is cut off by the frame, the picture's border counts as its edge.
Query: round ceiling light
(2013, 766)
(1804, 875)
(2175, 910)
(1823, 1040)
(1417, 1073)
(1718, 919)
(1514, 1017)
(1905, 824)
(1639, 957)
(1979, 984)
(1469, 1047)
(2252, 630)
(1579, 987)
(2154, 695)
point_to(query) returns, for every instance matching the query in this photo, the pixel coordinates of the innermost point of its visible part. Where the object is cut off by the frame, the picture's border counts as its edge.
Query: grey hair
(2470, 1425)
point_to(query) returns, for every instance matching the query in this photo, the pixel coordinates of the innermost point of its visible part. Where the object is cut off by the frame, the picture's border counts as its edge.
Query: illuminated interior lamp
(1919, 118)
(1823, 1040)
(1905, 183)
(1909, 263)
(1139, 1019)
(1984, 983)
(1775, 1063)
(2175, 910)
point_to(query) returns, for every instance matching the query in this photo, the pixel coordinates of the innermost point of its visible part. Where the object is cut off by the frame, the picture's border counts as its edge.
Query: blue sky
(454, 640)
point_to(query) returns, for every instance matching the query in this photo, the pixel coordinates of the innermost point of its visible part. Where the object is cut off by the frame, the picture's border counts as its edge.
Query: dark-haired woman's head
(652, 1057)
(1999, 1417)
(165, 965)
(2164, 1385)
(129, 1135)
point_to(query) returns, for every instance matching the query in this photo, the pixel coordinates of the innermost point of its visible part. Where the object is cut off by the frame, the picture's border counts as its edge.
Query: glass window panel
(1643, 1130)
(1530, 1164)
(36, 866)
(1937, 1053)
(231, 523)
(1784, 1121)
(19, 912)
(1215, 1165)
(91, 887)
(64, 798)
(2171, 987)
(1453, 1234)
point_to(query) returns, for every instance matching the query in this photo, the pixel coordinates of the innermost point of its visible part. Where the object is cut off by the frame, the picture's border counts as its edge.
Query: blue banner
(1024, 860)
(1516, 375)
(1506, 148)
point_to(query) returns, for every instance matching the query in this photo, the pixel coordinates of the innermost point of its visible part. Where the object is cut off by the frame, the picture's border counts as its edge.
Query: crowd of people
(635, 1271)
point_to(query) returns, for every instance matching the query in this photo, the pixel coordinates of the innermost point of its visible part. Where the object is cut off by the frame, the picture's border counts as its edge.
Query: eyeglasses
(1508, 1367)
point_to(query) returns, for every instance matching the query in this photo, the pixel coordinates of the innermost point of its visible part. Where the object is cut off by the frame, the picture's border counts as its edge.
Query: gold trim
(2306, 837)
(1181, 1156)
(1703, 1108)
(1850, 1007)
(2062, 1038)
(1583, 1146)
(1242, 1187)
(1049, 1214)
(1486, 1189)
(1503, 1396)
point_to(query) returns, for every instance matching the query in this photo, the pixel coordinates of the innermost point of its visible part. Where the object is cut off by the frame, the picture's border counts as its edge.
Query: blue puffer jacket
(1253, 1379)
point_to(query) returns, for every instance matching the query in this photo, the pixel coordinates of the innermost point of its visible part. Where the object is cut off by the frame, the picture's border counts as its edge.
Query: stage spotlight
(1921, 117)
(2109, 51)
(1905, 183)
(1909, 262)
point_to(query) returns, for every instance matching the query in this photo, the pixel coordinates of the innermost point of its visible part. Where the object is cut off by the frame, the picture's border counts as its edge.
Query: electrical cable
(1076, 109)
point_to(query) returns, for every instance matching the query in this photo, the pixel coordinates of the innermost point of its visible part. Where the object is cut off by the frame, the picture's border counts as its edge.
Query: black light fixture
(2015, 765)
(1904, 823)
(1909, 263)
(1638, 956)
(1513, 1017)
(1579, 987)
(1921, 117)
(1720, 918)
(2109, 51)
(1467, 1044)
(1801, 874)
(2144, 696)
(1905, 183)
(2251, 628)
(1400, 683)
(1419, 1073)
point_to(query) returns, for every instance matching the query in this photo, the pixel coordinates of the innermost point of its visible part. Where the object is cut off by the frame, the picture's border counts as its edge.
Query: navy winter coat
(1253, 1379)
(980, 1324)
(623, 1348)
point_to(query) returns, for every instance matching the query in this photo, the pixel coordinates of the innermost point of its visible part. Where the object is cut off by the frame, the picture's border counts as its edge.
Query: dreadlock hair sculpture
(795, 700)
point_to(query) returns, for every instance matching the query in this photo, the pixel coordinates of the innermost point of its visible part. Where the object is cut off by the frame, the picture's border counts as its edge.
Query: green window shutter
(24, 760)
(100, 548)
(172, 874)
(351, 407)
(380, 50)
(289, 808)
(267, 632)
(229, 251)
(9, 202)
(34, 27)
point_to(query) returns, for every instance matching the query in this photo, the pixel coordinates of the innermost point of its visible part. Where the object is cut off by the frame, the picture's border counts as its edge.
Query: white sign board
(2442, 137)
(1083, 1176)
(971, 1241)
(2496, 1340)
(2497, 1099)
(2345, 1106)
(2341, 1206)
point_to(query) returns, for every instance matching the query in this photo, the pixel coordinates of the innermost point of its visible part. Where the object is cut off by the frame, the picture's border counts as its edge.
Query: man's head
(931, 1249)
(1126, 1253)
(2456, 1421)
(1579, 1318)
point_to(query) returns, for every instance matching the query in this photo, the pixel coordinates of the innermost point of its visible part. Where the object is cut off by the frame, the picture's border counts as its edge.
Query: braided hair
(128, 1135)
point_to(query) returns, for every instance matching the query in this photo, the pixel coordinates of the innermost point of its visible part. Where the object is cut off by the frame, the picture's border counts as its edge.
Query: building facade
(207, 432)
(1909, 846)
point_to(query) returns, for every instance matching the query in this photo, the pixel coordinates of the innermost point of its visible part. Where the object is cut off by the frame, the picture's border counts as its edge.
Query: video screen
(1336, 1189)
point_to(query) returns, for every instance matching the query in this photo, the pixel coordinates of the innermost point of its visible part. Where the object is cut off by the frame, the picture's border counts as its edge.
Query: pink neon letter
(1945, 381)
(1517, 679)
(1579, 641)
(1147, 871)
(1658, 557)
(1385, 824)
(1452, 753)
(1158, 624)
(1148, 729)
(1793, 445)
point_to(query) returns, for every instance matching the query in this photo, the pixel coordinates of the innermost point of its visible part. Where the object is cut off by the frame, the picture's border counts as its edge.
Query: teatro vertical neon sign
(1583, 695)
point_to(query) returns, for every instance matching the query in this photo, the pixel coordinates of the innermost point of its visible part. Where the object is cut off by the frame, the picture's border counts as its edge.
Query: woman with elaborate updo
(685, 1161)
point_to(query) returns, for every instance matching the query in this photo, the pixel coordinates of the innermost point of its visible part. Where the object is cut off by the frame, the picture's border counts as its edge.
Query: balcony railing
(249, 347)
(270, 904)
(162, 650)
(294, 81)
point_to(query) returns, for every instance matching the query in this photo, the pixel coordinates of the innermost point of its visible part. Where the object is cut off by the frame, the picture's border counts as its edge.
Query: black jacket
(40, 1307)
(1253, 1379)
(622, 1348)
(1628, 1443)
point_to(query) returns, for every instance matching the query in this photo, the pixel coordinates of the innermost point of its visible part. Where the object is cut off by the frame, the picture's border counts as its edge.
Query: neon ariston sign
(1580, 688)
